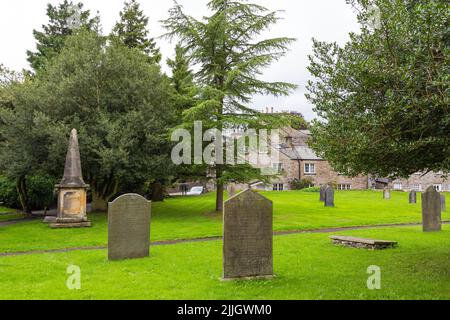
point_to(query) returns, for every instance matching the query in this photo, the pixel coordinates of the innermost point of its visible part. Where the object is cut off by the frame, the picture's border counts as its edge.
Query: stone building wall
(420, 182)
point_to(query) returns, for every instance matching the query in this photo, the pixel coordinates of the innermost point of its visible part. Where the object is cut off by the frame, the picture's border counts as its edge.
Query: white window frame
(416, 187)
(438, 187)
(309, 166)
(278, 187)
(344, 186)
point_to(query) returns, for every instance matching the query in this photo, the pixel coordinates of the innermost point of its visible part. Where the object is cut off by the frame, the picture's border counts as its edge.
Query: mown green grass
(307, 266)
(193, 217)
(4, 209)
(4, 217)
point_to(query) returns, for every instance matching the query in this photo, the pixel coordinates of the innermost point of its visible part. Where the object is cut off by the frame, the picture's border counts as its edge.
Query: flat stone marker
(248, 237)
(129, 227)
(431, 210)
(386, 194)
(322, 193)
(363, 243)
(443, 205)
(413, 197)
(329, 197)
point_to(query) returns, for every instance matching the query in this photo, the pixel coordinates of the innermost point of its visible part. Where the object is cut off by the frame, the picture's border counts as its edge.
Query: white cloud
(329, 20)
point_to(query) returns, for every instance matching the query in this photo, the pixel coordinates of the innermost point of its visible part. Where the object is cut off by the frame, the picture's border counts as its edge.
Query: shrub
(298, 184)
(40, 191)
(312, 189)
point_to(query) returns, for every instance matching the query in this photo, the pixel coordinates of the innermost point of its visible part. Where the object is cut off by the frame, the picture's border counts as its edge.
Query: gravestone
(386, 194)
(248, 237)
(431, 210)
(329, 197)
(413, 197)
(129, 227)
(443, 205)
(322, 192)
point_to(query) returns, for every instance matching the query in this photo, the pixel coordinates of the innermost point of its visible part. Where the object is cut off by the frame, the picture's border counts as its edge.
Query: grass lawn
(307, 266)
(5, 210)
(11, 216)
(192, 217)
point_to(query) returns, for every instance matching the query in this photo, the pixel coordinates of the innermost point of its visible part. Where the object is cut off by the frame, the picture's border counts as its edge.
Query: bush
(40, 192)
(8, 193)
(298, 184)
(312, 189)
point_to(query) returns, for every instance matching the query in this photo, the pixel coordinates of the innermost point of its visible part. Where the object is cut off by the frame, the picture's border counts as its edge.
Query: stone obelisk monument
(71, 211)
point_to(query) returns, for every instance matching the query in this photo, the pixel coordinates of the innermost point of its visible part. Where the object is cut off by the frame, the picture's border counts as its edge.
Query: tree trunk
(99, 204)
(22, 192)
(157, 192)
(219, 197)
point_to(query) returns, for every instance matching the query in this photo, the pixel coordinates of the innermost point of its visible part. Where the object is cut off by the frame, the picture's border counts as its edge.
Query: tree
(63, 20)
(230, 60)
(132, 31)
(182, 76)
(383, 98)
(120, 105)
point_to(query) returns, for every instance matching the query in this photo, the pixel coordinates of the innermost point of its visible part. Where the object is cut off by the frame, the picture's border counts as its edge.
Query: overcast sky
(329, 20)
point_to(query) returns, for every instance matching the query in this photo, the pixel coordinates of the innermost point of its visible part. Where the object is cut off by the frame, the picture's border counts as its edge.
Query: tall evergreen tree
(63, 20)
(230, 59)
(132, 31)
(182, 76)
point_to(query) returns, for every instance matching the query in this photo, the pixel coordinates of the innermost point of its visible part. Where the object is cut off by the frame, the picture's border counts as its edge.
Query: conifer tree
(132, 31)
(227, 48)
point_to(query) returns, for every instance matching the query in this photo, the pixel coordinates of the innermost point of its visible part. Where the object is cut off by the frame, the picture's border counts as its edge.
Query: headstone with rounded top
(322, 192)
(413, 197)
(431, 210)
(386, 194)
(129, 227)
(329, 197)
(248, 237)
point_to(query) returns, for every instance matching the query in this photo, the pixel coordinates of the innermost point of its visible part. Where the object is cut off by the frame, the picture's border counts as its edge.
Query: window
(278, 187)
(344, 187)
(438, 187)
(278, 167)
(310, 168)
(416, 187)
(398, 186)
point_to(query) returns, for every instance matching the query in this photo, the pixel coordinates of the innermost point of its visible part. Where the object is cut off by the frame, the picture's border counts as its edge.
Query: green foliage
(298, 184)
(131, 31)
(383, 98)
(224, 45)
(51, 40)
(39, 192)
(120, 105)
(8, 193)
(311, 189)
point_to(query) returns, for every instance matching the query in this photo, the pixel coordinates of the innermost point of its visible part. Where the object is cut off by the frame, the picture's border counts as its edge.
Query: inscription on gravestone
(431, 210)
(248, 237)
(129, 227)
(413, 197)
(329, 197)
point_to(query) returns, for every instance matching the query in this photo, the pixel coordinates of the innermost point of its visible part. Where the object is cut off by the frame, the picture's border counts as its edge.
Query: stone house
(418, 182)
(297, 161)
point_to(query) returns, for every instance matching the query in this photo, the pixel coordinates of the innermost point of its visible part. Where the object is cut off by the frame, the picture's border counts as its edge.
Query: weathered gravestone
(386, 194)
(248, 237)
(431, 210)
(329, 197)
(322, 192)
(443, 206)
(129, 227)
(413, 197)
